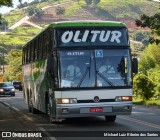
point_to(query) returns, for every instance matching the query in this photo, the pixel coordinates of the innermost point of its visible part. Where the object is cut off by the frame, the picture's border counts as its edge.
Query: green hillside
(125, 11)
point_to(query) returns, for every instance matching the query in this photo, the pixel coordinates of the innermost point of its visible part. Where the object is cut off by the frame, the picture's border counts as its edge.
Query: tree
(2, 50)
(143, 86)
(150, 58)
(35, 11)
(6, 3)
(38, 13)
(96, 2)
(60, 10)
(2, 58)
(154, 75)
(14, 70)
(151, 22)
(89, 2)
(20, 1)
(30, 10)
(4, 24)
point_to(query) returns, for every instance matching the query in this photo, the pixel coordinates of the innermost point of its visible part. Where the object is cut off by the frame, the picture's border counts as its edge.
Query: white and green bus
(46, 58)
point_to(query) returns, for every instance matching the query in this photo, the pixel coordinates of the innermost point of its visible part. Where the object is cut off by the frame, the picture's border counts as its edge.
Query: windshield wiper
(85, 73)
(105, 78)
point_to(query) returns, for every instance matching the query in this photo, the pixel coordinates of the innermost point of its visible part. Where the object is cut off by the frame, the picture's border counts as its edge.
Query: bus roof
(81, 23)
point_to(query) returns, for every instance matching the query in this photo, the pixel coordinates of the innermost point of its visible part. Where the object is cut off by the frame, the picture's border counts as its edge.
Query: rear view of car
(6, 88)
(17, 85)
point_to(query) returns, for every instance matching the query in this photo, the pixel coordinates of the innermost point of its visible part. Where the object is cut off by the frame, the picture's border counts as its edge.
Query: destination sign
(102, 36)
(92, 37)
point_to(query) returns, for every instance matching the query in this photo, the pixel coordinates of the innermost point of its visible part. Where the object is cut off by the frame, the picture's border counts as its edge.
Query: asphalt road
(14, 116)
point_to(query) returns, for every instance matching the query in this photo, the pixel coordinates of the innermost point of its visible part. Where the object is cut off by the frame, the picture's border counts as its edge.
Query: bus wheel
(110, 118)
(52, 119)
(29, 105)
(33, 110)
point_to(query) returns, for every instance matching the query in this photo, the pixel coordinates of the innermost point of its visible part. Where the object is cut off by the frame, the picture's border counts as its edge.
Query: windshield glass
(16, 83)
(7, 84)
(94, 68)
(76, 69)
(113, 68)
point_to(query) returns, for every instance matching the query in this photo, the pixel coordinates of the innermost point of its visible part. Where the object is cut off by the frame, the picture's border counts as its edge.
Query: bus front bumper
(93, 109)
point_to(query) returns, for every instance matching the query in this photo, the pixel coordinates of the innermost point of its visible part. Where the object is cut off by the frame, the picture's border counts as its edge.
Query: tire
(52, 119)
(110, 118)
(29, 103)
(33, 110)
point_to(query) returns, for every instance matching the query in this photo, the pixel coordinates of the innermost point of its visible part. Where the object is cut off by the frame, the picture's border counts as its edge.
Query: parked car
(17, 85)
(6, 88)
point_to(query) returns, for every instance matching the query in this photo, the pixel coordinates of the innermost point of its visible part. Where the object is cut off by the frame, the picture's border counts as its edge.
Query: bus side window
(44, 45)
(28, 53)
(40, 47)
(23, 56)
(50, 40)
(35, 51)
(38, 51)
(31, 52)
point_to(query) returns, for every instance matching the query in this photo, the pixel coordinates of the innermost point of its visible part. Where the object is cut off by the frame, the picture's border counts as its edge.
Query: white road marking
(15, 108)
(49, 136)
(140, 122)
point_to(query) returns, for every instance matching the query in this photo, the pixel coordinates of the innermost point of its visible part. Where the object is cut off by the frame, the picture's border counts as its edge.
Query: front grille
(6, 90)
(92, 101)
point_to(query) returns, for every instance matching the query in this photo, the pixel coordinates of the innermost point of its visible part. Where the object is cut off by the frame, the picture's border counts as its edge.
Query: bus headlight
(123, 98)
(67, 101)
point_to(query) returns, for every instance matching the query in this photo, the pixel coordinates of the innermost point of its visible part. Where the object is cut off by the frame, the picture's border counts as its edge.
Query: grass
(74, 8)
(126, 8)
(13, 16)
(139, 101)
(116, 8)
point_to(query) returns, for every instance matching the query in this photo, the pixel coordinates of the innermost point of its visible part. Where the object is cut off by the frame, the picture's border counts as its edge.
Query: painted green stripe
(85, 24)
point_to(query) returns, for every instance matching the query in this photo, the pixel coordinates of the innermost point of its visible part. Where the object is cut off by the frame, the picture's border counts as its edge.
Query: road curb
(16, 111)
(12, 108)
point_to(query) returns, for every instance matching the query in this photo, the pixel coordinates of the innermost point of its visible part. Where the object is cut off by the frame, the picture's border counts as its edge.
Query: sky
(5, 9)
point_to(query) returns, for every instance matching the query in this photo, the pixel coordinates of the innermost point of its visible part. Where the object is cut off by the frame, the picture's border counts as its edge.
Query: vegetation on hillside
(153, 22)
(14, 69)
(147, 82)
(6, 3)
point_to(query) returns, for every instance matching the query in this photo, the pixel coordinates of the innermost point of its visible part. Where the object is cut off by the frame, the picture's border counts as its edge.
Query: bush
(143, 86)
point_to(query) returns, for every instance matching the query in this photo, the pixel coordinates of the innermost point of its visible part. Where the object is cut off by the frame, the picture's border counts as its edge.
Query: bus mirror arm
(135, 65)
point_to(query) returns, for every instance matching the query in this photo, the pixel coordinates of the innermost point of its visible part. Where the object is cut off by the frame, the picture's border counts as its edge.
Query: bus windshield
(94, 68)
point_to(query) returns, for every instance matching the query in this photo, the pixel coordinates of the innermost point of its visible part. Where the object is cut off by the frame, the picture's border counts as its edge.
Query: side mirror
(135, 65)
(121, 66)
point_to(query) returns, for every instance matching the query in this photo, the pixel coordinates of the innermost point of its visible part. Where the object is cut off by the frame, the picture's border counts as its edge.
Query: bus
(46, 58)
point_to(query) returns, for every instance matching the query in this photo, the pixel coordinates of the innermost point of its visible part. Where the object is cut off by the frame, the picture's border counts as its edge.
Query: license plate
(96, 109)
